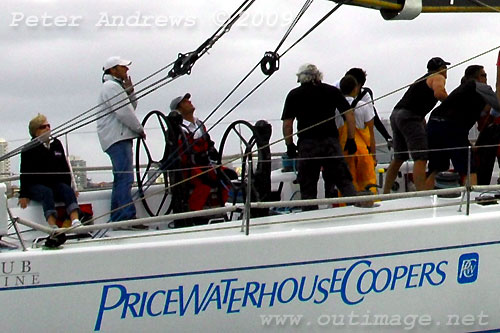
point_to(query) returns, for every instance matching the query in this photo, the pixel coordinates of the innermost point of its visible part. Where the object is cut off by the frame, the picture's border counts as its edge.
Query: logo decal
(468, 268)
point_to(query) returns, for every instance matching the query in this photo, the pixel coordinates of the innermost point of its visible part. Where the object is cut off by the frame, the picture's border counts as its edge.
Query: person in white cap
(117, 126)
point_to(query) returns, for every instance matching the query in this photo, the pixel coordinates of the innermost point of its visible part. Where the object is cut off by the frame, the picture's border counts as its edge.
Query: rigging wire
(168, 163)
(286, 51)
(182, 66)
(299, 15)
(151, 180)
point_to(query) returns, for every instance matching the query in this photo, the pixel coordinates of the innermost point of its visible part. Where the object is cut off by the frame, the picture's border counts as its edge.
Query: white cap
(175, 102)
(115, 61)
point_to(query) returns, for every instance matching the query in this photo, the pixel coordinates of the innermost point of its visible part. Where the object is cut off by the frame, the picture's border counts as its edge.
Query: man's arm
(437, 83)
(351, 123)
(288, 131)
(488, 95)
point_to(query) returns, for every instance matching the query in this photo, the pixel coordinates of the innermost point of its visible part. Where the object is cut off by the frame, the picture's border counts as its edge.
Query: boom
(409, 9)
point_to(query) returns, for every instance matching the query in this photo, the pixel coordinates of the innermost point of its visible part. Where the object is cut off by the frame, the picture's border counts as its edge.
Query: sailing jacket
(120, 124)
(44, 166)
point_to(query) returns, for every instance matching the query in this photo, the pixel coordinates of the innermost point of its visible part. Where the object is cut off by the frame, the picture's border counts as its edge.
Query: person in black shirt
(408, 124)
(46, 175)
(313, 104)
(450, 123)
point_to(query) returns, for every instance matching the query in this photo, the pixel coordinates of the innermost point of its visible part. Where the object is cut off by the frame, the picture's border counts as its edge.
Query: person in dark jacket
(46, 175)
(450, 123)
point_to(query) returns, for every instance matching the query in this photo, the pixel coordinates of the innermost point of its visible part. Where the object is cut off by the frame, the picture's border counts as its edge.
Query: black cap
(435, 63)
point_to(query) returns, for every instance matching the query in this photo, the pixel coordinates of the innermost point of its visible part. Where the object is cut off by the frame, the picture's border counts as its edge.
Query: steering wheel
(161, 162)
(242, 135)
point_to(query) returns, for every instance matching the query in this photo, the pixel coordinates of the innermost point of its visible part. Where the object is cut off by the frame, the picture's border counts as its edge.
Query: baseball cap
(435, 63)
(175, 102)
(115, 61)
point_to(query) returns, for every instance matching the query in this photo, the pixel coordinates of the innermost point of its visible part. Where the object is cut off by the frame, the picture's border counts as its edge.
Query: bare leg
(392, 173)
(430, 182)
(473, 179)
(51, 220)
(73, 215)
(419, 177)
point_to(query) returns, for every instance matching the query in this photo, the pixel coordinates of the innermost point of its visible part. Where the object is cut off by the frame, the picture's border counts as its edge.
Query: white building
(80, 175)
(4, 165)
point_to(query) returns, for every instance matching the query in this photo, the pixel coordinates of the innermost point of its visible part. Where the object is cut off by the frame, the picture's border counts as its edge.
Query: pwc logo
(468, 268)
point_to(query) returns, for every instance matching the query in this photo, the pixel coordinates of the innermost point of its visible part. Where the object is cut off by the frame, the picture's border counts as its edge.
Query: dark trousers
(489, 138)
(323, 154)
(47, 196)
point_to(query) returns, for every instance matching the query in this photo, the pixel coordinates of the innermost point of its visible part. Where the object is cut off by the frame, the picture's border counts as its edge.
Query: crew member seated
(197, 154)
(46, 174)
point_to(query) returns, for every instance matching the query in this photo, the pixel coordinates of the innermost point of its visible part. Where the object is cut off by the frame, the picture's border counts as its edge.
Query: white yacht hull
(424, 269)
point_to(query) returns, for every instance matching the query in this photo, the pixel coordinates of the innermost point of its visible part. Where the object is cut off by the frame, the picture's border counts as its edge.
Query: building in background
(4, 165)
(80, 175)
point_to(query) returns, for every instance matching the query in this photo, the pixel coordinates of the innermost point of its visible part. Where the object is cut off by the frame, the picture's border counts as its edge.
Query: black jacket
(43, 166)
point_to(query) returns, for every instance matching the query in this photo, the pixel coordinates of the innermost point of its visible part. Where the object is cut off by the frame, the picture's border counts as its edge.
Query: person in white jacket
(117, 126)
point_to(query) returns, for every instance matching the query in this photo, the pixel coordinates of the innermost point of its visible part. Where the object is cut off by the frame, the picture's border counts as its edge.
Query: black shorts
(448, 142)
(409, 135)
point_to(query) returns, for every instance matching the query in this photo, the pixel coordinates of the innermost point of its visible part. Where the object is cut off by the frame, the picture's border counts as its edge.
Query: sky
(53, 52)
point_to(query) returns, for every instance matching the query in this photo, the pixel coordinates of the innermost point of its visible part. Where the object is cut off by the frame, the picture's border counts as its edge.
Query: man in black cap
(408, 124)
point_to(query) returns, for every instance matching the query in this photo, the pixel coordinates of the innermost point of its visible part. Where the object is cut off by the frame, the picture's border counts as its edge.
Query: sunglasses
(44, 126)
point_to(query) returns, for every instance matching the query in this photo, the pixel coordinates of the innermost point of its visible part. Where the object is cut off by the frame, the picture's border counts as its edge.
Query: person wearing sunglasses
(46, 175)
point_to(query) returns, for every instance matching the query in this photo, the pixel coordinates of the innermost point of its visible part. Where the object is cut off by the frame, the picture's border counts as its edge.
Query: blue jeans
(120, 154)
(48, 195)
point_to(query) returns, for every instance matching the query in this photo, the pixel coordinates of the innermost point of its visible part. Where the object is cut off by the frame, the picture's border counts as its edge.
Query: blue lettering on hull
(352, 284)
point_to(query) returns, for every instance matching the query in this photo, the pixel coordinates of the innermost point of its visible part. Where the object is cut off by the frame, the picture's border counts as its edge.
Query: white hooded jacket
(121, 124)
